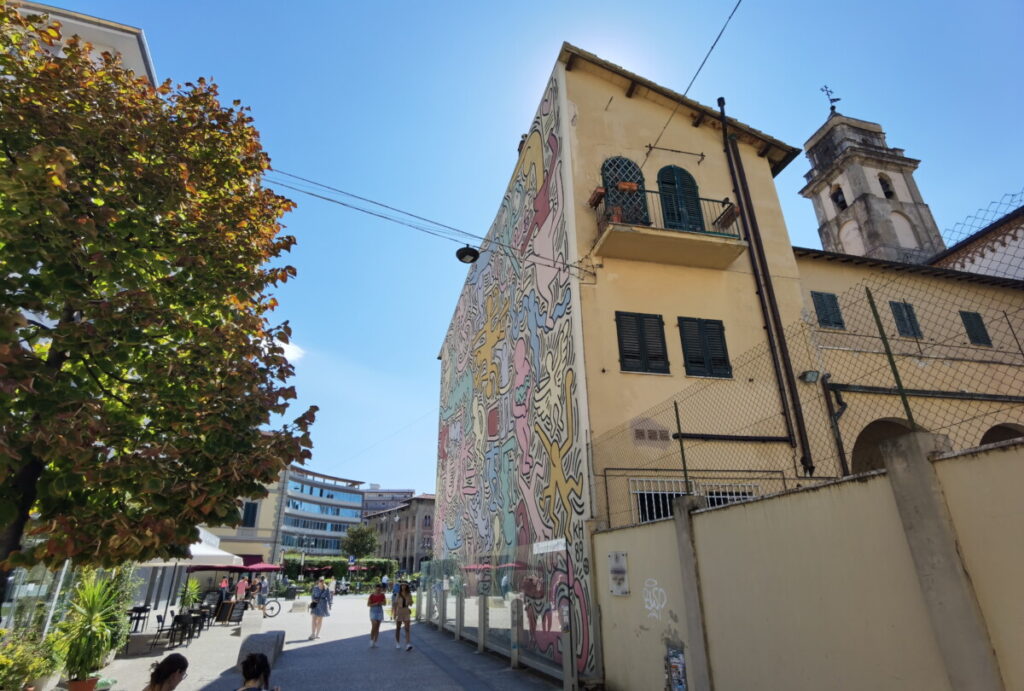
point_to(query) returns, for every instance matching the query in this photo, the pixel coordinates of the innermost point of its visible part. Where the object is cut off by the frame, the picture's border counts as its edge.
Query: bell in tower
(865, 196)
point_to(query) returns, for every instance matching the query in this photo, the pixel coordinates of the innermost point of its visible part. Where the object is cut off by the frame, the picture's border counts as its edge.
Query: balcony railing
(638, 207)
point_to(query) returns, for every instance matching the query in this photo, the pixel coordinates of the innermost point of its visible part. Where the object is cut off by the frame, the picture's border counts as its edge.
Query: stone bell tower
(865, 196)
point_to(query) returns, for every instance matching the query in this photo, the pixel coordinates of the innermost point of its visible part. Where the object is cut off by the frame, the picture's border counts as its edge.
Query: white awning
(201, 555)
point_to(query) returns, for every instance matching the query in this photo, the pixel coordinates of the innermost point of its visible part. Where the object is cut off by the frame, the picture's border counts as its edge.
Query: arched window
(867, 454)
(624, 199)
(838, 198)
(1003, 432)
(886, 185)
(680, 202)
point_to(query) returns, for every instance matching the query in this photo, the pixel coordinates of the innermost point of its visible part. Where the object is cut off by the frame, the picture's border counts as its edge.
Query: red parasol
(262, 566)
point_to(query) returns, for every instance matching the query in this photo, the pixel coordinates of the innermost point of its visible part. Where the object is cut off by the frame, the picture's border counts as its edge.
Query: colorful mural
(512, 465)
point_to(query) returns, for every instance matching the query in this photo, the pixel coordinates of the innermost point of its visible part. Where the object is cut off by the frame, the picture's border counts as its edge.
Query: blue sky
(421, 105)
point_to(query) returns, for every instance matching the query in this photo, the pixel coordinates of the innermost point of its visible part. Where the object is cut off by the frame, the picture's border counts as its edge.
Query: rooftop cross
(831, 100)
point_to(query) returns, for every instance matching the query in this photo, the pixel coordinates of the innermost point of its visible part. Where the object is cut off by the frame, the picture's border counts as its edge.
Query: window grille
(629, 200)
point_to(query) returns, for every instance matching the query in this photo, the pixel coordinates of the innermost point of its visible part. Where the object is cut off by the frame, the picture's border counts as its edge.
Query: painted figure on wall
(512, 465)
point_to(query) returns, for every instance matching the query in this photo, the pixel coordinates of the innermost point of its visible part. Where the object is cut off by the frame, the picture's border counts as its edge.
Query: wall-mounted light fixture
(467, 254)
(810, 376)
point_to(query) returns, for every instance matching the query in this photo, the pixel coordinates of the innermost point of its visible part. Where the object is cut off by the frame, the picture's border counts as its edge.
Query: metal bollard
(442, 610)
(515, 629)
(481, 622)
(429, 605)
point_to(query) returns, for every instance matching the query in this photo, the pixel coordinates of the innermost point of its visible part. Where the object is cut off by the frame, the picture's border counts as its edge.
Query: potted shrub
(87, 633)
(190, 593)
(26, 661)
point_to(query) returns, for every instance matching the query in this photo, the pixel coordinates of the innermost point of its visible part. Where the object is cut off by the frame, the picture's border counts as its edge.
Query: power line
(695, 75)
(435, 229)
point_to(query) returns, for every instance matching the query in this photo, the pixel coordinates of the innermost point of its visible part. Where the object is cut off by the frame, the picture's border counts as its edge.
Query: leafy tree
(359, 541)
(138, 370)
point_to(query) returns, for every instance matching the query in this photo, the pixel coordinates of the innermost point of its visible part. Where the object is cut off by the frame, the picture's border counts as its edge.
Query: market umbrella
(263, 566)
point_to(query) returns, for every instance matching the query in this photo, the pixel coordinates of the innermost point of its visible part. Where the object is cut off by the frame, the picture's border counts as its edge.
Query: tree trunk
(24, 481)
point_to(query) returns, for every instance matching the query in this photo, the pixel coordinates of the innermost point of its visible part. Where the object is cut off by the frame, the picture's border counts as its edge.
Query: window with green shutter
(906, 320)
(680, 201)
(826, 306)
(975, 327)
(249, 514)
(641, 342)
(704, 351)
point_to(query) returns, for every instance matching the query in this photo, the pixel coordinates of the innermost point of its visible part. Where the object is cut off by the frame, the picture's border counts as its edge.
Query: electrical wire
(436, 229)
(695, 75)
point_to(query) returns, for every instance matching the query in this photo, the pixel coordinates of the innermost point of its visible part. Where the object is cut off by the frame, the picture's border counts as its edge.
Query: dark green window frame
(641, 342)
(974, 325)
(704, 350)
(826, 307)
(906, 320)
(249, 510)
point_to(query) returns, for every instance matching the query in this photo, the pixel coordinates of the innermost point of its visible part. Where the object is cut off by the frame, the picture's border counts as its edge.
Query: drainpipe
(754, 269)
(765, 280)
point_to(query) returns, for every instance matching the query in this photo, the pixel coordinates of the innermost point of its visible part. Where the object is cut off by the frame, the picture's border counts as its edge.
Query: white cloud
(293, 352)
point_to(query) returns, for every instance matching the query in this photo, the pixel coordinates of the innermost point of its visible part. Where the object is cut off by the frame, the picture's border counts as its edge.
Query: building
(405, 532)
(638, 326)
(304, 512)
(104, 35)
(376, 499)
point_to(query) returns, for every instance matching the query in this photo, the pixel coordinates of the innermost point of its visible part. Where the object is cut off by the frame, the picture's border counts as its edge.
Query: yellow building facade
(639, 326)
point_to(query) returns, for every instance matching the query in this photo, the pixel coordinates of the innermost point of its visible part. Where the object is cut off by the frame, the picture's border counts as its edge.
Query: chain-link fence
(907, 348)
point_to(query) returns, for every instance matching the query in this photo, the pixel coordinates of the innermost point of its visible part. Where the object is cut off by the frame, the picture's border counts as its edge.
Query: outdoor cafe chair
(160, 630)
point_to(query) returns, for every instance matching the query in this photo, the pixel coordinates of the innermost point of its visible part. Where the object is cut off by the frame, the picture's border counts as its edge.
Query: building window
(641, 342)
(975, 327)
(906, 320)
(249, 514)
(838, 198)
(655, 506)
(426, 521)
(826, 306)
(680, 201)
(886, 184)
(704, 351)
(625, 200)
(721, 497)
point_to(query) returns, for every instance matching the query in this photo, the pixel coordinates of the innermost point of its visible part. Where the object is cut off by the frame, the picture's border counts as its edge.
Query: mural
(512, 467)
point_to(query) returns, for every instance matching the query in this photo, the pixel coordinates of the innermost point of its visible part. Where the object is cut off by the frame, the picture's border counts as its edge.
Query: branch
(103, 388)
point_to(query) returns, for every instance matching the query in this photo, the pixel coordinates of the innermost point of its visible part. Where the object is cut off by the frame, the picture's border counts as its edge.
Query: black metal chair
(181, 630)
(160, 630)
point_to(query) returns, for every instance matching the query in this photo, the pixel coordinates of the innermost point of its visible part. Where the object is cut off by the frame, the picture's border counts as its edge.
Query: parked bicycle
(272, 607)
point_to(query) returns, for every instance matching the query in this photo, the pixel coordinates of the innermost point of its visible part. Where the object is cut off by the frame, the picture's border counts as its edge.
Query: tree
(140, 378)
(360, 541)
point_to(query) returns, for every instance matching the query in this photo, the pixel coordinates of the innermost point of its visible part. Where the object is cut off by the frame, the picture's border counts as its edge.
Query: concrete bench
(270, 643)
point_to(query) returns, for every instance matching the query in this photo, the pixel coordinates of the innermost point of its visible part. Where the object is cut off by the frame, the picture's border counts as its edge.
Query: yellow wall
(982, 491)
(258, 539)
(606, 123)
(639, 628)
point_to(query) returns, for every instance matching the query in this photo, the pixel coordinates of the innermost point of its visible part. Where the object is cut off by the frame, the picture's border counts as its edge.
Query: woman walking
(402, 604)
(168, 673)
(320, 607)
(376, 603)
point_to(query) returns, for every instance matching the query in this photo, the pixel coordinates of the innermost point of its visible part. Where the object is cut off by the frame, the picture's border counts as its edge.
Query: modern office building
(304, 511)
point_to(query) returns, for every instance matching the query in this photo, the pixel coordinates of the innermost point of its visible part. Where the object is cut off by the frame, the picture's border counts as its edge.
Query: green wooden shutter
(680, 200)
(694, 358)
(717, 355)
(655, 351)
(631, 358)
(975, 327)
(826, 307)
(906, 319)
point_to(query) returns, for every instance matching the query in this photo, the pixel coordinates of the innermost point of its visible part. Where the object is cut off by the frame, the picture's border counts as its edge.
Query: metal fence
(640, 207)
(913, 349)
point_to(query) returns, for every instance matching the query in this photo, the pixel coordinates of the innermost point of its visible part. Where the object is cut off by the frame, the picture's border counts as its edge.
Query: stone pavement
(339, 659)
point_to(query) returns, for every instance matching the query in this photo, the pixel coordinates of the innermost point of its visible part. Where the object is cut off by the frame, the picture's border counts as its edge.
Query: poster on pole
(618, 573)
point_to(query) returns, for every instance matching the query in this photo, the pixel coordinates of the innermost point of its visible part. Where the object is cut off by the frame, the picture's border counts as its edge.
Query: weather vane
(831, 100)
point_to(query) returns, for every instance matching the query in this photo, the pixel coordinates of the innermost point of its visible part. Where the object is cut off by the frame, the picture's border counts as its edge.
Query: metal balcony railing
(639, 207)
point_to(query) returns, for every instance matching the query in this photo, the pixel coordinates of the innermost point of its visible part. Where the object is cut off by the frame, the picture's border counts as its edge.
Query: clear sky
(421, 105)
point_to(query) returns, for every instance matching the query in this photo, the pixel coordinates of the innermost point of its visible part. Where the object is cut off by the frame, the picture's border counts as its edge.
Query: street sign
(351, 559)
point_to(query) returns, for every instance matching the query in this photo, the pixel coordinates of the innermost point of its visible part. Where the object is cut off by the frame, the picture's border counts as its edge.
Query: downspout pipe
(769, 289)
(783, 400)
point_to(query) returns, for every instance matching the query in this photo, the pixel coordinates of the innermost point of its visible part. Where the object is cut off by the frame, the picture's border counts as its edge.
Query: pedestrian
(376, 603)
(394, 594)
(256, 673)
(224, 588)
(167, 673)
(256, 591)
(319, 607)
(402, 604)
(241, 588)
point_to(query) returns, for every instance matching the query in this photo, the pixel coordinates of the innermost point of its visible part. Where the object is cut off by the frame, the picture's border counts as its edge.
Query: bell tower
(864, 194)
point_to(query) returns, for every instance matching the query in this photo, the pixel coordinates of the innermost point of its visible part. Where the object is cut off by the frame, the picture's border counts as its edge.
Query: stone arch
(885, 183)
(904, 230)
(866, 455)
(850, 239)
(1003, 432)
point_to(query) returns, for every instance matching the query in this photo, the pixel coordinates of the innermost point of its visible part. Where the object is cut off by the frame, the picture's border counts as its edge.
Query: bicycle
(271, 607)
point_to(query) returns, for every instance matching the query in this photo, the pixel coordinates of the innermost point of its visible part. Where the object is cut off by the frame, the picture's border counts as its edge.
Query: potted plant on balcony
(87, 633)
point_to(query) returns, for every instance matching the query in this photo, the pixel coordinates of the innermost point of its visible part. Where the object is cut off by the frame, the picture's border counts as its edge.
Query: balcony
(644, 225)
